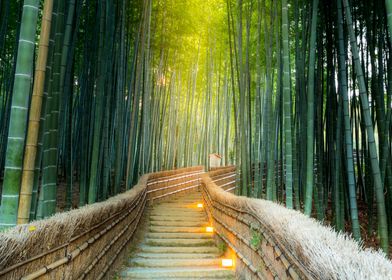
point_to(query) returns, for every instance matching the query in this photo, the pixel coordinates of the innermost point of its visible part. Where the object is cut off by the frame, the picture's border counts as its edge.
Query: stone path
(176, 245)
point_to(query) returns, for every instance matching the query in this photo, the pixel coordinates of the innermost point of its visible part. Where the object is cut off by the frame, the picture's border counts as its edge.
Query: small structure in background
(215, 160)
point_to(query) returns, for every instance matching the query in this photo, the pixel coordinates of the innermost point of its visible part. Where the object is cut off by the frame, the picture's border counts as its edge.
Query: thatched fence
(270, 241)
(87, 243)
(225, 177)
(267, 240)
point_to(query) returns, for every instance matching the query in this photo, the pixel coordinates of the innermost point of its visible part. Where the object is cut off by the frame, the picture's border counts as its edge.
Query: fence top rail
(175, 185)
(319, 249)
(25, 243)
(222, 171)
(221, 178)
(172, 173)
(175, 177)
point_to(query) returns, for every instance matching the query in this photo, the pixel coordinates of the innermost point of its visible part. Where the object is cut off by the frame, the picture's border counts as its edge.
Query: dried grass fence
(273, 242)
(269, 241)
(225, 177)
(86, 243)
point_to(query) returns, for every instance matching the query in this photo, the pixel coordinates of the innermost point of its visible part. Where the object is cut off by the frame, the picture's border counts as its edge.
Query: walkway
(177, 245)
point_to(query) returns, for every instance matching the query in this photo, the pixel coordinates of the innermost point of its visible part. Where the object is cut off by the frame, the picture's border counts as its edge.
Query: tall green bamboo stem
(347, 128)
(378, 186)
(35, 117)
(310, 113)
(287, 107)
(18, 116)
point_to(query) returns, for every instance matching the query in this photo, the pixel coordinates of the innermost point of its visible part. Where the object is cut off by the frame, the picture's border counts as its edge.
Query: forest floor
(369, 237)
(61, 197)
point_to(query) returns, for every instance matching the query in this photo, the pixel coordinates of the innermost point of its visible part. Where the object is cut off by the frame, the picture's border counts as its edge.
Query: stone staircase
(176, 245)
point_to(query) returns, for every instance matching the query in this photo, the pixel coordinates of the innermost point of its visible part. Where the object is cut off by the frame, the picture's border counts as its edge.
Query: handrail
(244, 224)
(241, 257)
(271, 241)
(224, 178)
(174, 178)
(173, 173)
(70, 241)
(173, 186)
(267, 235)
(99, 244)
(80, 248)
(177, 191)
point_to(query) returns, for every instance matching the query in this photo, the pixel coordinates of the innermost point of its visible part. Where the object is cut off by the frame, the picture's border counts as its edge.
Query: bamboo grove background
(296, 93)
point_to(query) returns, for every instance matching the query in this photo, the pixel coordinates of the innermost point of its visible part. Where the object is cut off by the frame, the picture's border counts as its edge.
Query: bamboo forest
(295, 95)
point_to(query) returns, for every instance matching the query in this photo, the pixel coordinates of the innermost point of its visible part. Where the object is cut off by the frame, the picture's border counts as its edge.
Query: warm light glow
(200, 205)
(227, 262)
(209, 229)
(32, 228)
(161, 80)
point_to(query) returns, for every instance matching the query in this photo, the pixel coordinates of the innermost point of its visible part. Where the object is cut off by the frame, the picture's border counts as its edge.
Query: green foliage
(257, 237)
(222, 248)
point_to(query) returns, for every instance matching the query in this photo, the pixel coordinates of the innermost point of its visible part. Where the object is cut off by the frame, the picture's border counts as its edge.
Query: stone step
(177, 218)
(178, 235)
(167, 256)
(179, 242)
(176, 212)
(183, 201)
(187, 200)
(179, 249)
(170, 273)
(197, 193)
(195, 196)
(176, 278)
(179, 207)
(145, 262)
(180, 223)
(198, 198)
(176, 245)
(179, 204)
(176, 229)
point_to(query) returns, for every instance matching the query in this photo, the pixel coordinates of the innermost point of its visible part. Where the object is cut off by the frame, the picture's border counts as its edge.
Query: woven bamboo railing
(257, 255)
(225, 177)
(87, 243)
(168, 183)
(269, 241)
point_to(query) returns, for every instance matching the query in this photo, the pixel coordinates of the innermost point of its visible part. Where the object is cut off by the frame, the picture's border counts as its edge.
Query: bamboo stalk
(35, 117)
(18, 116)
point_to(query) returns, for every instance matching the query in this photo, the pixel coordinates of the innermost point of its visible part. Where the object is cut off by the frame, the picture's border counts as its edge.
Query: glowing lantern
(200, 205)
(227, 262)
(209, 229)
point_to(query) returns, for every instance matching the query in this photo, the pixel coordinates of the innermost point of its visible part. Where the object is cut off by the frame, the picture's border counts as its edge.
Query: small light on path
(200, 205)
(209, 229)
(227, 262)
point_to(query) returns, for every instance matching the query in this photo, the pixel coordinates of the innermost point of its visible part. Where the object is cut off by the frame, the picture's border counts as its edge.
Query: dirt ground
(369, 239)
